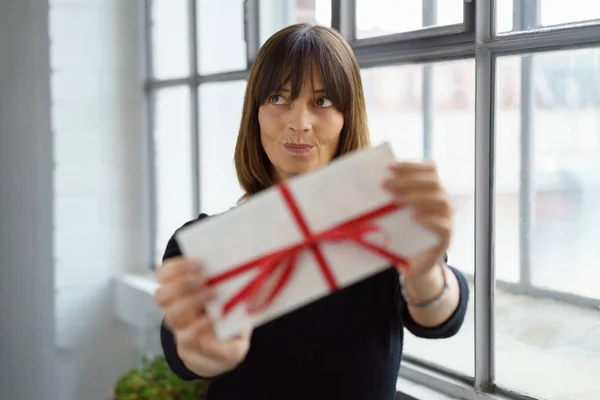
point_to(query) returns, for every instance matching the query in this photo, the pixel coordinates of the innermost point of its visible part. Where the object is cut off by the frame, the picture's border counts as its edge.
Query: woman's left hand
(418, 186)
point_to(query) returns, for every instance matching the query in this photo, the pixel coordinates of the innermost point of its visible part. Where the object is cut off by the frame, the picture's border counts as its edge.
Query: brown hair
(286, 58)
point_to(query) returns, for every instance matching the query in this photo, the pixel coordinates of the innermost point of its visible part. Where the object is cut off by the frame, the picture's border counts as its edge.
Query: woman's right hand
(183, 295)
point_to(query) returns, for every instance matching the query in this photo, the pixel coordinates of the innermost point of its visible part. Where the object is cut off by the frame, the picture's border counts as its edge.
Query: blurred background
(118, 120)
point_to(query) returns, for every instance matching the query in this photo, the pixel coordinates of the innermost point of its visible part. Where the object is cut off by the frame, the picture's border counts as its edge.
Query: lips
(298, 148)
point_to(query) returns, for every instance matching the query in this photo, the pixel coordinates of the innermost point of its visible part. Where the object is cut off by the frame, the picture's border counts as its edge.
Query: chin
(295, 170)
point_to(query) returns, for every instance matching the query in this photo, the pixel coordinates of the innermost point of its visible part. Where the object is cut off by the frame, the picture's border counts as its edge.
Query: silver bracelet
(424, 304)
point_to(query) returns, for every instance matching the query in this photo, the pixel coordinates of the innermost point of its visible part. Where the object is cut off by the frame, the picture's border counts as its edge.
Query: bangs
(292, 61)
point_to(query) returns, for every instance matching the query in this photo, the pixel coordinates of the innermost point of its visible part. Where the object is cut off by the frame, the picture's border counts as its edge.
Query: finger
(189, 348)
(440, 225)
(187, 285)
(245, 335)
(435, 203)
(182, 311)
(176, 266)
(181, 321)
(423, 182)
(201, 338)
(223, 350)
(201, 341)
(411, 167)
(188, 336)
(194, 304)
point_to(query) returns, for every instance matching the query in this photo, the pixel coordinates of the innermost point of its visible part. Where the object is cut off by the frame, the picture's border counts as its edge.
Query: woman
(304, 106)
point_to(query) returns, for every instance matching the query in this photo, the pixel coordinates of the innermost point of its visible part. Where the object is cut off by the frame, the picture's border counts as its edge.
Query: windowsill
(144, 283)
(418, 391)
(134, 302)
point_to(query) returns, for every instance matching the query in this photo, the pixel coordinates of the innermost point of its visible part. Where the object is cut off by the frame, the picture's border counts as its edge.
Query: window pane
(220, 27)
(220, 114)
(550, 12)
(277, 14)
(559, 213)
(386, 17)
(170, 41)
(173, 163)
(417, 107)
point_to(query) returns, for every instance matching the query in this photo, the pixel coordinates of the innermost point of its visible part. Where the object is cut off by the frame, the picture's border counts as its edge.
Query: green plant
(154, 380)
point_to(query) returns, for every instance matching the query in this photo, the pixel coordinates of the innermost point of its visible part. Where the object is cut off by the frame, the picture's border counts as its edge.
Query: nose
(300, 118)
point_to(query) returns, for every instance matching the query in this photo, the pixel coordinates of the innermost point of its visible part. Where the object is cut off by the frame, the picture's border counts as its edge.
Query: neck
(279, 176)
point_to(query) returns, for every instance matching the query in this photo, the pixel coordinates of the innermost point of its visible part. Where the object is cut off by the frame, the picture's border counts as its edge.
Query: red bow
(284, 261)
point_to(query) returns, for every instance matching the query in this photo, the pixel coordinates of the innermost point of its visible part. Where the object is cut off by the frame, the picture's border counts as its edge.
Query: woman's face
(301, 135)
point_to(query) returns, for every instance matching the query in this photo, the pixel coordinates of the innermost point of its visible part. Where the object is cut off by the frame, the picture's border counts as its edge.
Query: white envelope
(349, 186)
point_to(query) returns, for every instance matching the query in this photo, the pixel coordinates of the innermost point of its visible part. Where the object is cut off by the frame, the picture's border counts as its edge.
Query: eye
(324, 102)
(277, 99)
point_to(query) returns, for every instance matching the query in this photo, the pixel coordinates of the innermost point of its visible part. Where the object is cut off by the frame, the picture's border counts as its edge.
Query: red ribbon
(284, 261)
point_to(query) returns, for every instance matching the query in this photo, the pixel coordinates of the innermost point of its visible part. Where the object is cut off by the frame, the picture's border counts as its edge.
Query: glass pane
(220, 113)
(173, 163)
(386, 17)
(170, 40)
(541, 13)
(277, 14)
(221, 26)
(548, 134)
(427, 111)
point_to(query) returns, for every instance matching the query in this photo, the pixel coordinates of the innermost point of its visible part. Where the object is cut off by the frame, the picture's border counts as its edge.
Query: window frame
(475, 38)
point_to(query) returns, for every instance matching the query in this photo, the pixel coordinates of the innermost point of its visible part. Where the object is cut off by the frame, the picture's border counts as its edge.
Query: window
(427, 111)
(547, 212)
(220, 108)
(170, 39)
(173, 163)
(542, 13)
(276, 14)
(221, 26)
(386, 17)
(521, 163)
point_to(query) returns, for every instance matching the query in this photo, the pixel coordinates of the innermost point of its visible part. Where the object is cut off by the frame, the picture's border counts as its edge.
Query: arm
(438, 294)
(167, 339)
(445, 318)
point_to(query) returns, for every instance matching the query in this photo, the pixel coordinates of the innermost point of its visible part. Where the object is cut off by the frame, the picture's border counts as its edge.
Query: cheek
(339, 123)
(332, 127)
(268, 133)
(269, 124)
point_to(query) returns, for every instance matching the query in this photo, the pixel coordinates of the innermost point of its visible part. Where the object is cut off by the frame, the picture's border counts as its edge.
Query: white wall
(26, 273)
(96, 104)
(71, 194)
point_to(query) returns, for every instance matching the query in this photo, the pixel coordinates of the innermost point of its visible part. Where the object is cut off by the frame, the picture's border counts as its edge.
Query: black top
(347, 345)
